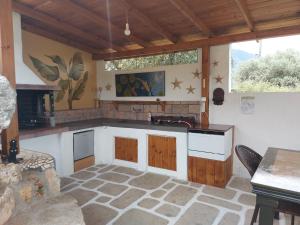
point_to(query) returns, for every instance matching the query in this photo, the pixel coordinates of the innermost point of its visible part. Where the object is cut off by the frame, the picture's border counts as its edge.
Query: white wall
(275, 122)
(181, 72)
(276, 119)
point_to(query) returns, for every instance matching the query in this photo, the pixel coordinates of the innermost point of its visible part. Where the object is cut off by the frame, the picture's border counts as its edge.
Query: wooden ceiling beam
(148, 21)
(188, 13)
(95, 18)
(27, 11)
(183, 46)
(56, 37)
(246, 13)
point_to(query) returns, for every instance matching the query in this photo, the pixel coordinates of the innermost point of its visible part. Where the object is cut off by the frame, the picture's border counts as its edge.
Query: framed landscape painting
(140, 84)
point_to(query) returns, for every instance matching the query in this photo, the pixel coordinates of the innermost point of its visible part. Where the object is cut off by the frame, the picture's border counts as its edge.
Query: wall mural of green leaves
(72, 79)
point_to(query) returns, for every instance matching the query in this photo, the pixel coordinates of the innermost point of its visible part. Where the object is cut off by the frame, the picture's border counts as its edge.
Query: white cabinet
(211, 146)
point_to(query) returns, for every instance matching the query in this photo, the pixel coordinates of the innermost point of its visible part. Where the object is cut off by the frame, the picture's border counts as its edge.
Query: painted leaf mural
(77, 66)
(72, 78)
(50, 73)
(59, 61)
(80, 86)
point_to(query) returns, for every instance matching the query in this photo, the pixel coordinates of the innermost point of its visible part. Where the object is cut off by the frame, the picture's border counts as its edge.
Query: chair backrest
(249, 158)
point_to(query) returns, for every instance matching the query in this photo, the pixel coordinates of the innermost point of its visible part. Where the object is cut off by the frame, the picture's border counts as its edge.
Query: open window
(267, 65)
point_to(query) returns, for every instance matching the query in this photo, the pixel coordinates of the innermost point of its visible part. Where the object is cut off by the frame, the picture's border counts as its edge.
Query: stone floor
(117, 195)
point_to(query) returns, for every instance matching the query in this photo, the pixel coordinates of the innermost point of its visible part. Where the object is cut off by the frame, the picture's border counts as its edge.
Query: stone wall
(132, 111)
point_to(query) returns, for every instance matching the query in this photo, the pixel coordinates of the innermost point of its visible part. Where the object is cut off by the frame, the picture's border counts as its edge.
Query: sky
(270, 45)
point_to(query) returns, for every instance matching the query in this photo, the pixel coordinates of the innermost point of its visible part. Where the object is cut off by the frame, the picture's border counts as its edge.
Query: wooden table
(277, 178)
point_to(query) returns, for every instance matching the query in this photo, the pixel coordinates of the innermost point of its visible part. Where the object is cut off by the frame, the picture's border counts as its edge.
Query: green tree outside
(279, 72)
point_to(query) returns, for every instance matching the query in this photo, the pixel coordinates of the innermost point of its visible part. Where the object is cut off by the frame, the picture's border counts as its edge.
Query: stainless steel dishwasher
(83, 144)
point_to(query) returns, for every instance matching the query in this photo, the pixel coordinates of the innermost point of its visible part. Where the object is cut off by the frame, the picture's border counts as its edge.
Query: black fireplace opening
(32, 111)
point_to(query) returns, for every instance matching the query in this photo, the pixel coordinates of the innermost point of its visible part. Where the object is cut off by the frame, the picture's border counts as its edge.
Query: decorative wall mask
(71, 78)
(218, 96)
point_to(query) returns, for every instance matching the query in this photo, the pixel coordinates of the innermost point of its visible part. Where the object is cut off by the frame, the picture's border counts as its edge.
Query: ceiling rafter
(95, 18)
(246, 13)
(27, 11)
(148, 21)
(42, 4)
(59, 38)
(188, 13)
(183, 46)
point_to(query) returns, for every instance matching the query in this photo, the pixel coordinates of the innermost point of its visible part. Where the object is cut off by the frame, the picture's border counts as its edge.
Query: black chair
(251, 160)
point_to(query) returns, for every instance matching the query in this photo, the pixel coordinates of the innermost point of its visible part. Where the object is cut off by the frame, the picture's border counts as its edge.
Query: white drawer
(211, 143)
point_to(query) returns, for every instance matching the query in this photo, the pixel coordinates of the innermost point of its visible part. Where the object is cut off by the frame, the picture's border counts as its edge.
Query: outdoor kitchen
(149, 112)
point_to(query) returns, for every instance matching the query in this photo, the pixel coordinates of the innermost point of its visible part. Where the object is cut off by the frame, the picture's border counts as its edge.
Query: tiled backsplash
(132, 111)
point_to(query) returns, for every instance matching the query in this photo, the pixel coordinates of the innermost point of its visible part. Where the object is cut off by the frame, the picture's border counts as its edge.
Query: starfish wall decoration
(176, 83)
(215, 63)
(219, 79)
(108, 87)
(190, 90)
(197, 74)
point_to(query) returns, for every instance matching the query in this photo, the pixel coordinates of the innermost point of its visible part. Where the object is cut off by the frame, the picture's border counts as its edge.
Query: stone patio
(116, 195)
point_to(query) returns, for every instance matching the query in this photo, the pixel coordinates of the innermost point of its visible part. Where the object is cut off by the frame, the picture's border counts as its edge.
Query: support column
(7, 68)
(205, 84)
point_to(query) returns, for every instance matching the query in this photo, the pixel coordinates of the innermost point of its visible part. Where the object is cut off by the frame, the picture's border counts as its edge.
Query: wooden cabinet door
(126, 149)
(162, 152)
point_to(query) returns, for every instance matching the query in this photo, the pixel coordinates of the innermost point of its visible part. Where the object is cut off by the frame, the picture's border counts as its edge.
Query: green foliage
(187, 57)
(50, 73)
(80, 86)
(77, 66)
(73, 75)
(59, 61)
(279, 72)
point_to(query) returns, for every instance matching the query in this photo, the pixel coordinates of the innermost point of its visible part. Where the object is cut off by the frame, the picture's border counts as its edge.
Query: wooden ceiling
(157, 26)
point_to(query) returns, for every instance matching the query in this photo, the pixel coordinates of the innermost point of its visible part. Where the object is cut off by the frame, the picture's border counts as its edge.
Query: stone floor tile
(181, 195)
(148, 203)
(219, 202)
(110, 167)
(230, 219)
(103, 199)
(180, 181)
(139, 217)
(168, 210)
(247, 199)
(101, 165)
(241, 183)
(94, 168)
(83, 175)
(127, 198)
(114, 177)
(158, 193)
(91, 184)
(112, 189)
(168, 186)
(196, 185)
(128, 171)
(149, 181)
(248, 216)
(95, 214)
(219, 192)
(198, 214)
(64, 181)
(69, 187)
(82, 196)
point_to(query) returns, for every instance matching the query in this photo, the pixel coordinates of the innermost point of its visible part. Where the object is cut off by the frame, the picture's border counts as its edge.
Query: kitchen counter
(137, 124)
